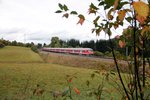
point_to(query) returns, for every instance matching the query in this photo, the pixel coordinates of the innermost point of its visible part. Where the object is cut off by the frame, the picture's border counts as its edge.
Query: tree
(73, 43)
(44, 45)
(117, 13)
(1, 45)
(55, 42)
(63, 43)
(39, 45)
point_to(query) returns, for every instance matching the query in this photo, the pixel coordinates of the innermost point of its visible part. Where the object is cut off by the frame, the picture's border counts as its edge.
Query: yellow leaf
(141, 8)
(81, 20)
(121, 15)
(116, 4)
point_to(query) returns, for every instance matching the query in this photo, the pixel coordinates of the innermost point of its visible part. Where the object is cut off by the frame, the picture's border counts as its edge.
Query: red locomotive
(78, 51)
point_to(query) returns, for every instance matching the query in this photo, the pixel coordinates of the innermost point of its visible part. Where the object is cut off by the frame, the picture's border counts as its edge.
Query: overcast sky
(35, 21)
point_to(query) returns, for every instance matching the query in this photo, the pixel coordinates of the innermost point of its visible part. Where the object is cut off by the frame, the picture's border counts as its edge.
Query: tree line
(100, 46)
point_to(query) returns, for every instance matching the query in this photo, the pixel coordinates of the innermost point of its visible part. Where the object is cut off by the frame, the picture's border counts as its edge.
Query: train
(77, 51)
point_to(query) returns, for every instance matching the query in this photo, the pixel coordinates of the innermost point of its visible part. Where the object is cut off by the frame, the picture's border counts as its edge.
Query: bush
(1, 45)
(108, 54)
(34, 48)
(97, 53)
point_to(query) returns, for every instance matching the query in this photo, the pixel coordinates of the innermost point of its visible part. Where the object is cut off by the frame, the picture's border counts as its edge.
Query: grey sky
(35, 20)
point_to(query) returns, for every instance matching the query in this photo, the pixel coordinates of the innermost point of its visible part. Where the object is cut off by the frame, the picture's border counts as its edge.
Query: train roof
(72, 48)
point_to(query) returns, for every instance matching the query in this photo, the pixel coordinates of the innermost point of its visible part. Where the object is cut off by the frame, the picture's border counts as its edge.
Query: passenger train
(78, 51)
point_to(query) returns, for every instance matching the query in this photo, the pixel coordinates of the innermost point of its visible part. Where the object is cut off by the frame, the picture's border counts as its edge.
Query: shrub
(1, 45)
(34, 48)
(97, 53)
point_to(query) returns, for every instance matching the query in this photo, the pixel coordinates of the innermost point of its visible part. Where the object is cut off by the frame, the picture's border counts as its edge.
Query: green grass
(18, 54)
(19, 80)
(16, 77)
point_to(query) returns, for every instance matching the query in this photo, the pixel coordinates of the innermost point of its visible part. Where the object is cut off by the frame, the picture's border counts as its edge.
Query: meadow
(23, 71)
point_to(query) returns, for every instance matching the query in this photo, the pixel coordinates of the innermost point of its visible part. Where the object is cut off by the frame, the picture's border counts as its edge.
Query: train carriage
(78, 51)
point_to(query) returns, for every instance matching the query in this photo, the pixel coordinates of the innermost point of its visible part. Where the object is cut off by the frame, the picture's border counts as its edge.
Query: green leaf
(106, 7)
(61, 6)
(109, 3)
(66, 8)
(101, 3)
(58, 11)
(111, 24)
(129, 19)
(73, 12)
(98, 31)
(121, 23)
(93, 6)
(96, 19)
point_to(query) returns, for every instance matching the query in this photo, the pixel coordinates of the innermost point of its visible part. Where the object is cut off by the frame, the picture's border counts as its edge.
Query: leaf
(141, 8)
(121, 15)
(93, 6)
(96, 19)
(144, 30)
(129, 19)
(65, 15)
(93, 9)
(122, 43)
(76, 90)
(115, 25)
(116, 4)
(70, 80)
(81, 20)
(101, 3)
(140, 19)
(109, 16)
(109, 3)
(98, 31)
(66, 8)
(61, 6)
(58, 11)
(73, 12)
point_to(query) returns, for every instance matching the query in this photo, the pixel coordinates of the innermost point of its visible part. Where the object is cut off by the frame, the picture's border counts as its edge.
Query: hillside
(18, 54)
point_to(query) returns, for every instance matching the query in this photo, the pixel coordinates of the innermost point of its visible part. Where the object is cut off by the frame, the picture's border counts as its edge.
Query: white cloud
(35, 20)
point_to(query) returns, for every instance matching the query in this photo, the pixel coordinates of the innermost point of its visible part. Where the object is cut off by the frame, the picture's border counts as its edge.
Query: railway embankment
(91, 62)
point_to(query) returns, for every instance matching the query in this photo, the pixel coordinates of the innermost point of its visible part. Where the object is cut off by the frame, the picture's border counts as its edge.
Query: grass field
(18, 54)
(20, 78)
